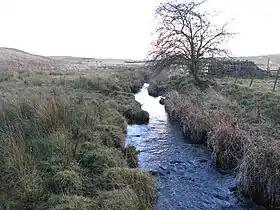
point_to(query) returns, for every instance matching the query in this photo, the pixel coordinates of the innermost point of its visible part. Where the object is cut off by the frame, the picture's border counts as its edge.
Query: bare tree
(186, 36)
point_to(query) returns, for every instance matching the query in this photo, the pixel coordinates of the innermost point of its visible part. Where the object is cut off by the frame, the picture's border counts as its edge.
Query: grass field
(62, 137)
(265, 84)
(240, 126)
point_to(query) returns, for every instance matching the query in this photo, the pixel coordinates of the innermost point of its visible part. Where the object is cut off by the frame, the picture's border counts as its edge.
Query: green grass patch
(62, 134)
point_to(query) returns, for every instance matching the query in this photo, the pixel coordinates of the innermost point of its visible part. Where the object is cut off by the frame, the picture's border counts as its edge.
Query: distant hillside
(91, 60)
(261, 61)
(17, 60)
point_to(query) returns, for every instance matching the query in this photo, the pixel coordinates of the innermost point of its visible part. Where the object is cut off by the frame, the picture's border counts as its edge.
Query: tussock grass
(141, 182)
(119, 199)
(72, 202)
(240, 125)
(60, 139)
(259, 171)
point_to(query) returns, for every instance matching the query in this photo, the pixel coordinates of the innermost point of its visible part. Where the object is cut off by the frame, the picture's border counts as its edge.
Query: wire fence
(238, 70)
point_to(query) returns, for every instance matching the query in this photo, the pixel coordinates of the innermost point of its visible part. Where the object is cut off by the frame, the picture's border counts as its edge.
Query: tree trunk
(194, 71)
(196, 77)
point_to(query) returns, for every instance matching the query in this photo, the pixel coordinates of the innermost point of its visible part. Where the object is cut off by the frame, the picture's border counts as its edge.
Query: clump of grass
(111, 136)
(141, 182)
(99, 159)
(137, 116)
(193, 120)
(72, 202)
(156, 90)
(258, 173)
(96, 84)
(226, 142)
(131, 156)
(130, 109)
(66, 182)
(119, 199)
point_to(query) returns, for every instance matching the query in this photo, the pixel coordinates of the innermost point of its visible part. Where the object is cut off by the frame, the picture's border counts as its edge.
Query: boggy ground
(62, 141)
(240, 126)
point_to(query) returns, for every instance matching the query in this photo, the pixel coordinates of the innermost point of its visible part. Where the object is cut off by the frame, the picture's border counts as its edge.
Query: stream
(186, 179)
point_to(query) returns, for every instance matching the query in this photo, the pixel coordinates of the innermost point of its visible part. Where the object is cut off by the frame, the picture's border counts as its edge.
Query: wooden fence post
(252, 80)
(275, 83)
(236, 77)
(237, 67)
(268, 64)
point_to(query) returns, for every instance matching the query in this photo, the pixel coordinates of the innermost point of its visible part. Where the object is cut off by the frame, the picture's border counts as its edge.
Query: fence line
(253, 78)
(241, 69)
(274, 77)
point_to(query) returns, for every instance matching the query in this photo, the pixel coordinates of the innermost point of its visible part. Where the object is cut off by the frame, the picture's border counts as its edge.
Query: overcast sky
(122, 28)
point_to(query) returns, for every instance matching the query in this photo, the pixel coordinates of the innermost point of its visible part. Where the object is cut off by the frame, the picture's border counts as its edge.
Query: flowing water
(185, 176)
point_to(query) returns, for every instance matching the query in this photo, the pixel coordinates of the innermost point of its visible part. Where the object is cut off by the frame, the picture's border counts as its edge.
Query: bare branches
(186, 35)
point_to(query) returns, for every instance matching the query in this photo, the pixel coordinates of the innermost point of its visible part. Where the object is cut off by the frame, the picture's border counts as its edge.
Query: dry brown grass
(207, 118)
(258, 171)
(226, 142)
(193, 122)
(247, 146)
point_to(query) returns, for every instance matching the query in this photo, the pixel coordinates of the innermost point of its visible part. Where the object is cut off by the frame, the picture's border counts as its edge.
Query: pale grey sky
(122, 28)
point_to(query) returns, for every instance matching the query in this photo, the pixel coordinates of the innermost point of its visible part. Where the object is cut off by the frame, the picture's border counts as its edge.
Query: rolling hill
(17, 60)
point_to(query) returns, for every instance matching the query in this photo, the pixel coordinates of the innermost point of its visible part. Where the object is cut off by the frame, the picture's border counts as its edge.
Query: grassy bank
(240, 125)
(62, 139)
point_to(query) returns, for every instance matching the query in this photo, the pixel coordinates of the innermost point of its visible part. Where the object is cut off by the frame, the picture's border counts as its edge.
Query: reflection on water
(151, 105)
(186, 178)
